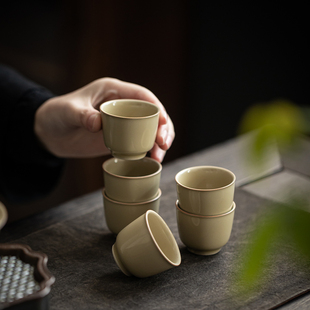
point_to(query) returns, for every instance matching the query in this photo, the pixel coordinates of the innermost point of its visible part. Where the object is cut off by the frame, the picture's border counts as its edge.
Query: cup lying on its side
(205, 190)
(131, 180)
(119, 214)
(204, 235)
(129, 127)
(146, 247)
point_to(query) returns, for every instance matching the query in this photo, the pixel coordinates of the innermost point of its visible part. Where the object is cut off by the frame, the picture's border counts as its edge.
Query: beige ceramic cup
(129, 127)
(205, 235)
(120, 214)
(3, 215)
(131, 180)
(205, 190)
(146, 247)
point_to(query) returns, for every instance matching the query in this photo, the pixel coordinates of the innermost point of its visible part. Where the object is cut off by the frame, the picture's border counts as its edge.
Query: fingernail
(160, 156)
(169, 141)
(166, 116)
(164, 136)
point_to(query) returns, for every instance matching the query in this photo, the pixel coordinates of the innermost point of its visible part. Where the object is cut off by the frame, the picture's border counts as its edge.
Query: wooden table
(78, 243)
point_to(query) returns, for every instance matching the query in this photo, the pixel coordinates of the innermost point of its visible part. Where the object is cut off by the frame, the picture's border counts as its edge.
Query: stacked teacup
(144, 244)
(131, 179)
(205, 208)
(131, 188)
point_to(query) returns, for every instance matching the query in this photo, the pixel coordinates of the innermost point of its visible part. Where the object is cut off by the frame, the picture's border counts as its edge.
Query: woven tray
(25, 281)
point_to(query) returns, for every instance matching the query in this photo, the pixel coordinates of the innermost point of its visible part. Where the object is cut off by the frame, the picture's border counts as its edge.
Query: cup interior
(132, 168)
(163, 238)
(205, 178)
(129, 108)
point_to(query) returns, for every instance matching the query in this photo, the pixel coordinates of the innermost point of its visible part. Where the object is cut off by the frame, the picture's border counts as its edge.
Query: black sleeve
(27, 170)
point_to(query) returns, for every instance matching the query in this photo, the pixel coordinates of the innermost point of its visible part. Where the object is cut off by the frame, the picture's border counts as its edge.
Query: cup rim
(170, 234)
(128, 177)
(205, 189)
(158, 195)
(129, 117)
(232, 209)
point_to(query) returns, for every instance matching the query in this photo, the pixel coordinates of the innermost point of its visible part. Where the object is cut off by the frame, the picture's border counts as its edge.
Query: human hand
(70, 125)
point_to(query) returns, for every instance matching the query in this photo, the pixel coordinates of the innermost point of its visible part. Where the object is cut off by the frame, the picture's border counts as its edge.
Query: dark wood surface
(78, 243)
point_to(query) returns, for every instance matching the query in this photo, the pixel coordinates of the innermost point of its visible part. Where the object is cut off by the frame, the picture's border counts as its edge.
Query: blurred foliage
(282, 122)
(277, 121)
(280, 227)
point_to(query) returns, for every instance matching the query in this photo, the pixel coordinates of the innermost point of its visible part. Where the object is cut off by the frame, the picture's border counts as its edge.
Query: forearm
(26, 169)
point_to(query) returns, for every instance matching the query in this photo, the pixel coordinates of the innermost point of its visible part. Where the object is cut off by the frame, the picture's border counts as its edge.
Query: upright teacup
(131, 181)
(204, 235)
(146, 247)
(129, 127)
(119, 214)
(205, 190)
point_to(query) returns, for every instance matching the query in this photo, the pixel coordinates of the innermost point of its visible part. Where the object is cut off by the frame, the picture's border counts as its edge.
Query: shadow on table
(116, 285)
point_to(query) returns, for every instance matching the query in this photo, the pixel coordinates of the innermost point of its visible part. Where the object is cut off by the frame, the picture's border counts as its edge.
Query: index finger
(125, 90)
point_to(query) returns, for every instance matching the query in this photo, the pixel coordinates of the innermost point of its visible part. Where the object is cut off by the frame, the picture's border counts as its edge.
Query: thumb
(91, 120)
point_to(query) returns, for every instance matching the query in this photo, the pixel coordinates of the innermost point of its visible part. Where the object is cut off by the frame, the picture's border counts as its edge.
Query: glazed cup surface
(131, 181)
(204, 235)
(119, 214)
(146, 247)
(205, 190)
(129, 127)
(3, 215)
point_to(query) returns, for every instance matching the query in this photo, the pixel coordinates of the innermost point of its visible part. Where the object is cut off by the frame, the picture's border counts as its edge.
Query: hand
(70, 125)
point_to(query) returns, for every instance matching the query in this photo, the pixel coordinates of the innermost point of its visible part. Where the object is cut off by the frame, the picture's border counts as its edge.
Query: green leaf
(253, 257)
(280, 225)
(278, 120)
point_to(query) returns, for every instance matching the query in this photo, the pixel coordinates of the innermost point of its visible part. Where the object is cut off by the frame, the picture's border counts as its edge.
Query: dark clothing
(27, 171)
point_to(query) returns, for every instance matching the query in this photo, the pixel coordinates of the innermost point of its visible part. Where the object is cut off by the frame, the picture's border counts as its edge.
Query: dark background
(207, 62)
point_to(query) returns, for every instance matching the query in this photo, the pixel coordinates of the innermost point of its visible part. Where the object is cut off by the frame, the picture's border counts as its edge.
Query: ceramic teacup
(146, 247)
(3, 215)
(204, 235)
(131, 180)
(120, 214)
(129, 127)
(205, 190)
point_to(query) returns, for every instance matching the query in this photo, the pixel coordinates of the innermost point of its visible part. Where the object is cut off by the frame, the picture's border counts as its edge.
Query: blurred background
(207, 62)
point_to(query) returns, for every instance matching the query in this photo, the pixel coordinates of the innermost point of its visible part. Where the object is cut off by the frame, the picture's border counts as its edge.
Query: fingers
(110, 88)
(164, 139)
(165, 135)
(157, 153)
(87, 100)
(162, 135)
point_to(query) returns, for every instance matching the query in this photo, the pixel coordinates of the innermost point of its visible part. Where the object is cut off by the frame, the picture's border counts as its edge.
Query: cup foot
(204, 252)
(119, 262)
(128, 156)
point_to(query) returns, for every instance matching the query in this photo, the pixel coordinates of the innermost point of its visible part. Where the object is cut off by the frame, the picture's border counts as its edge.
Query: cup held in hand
(129, 127)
